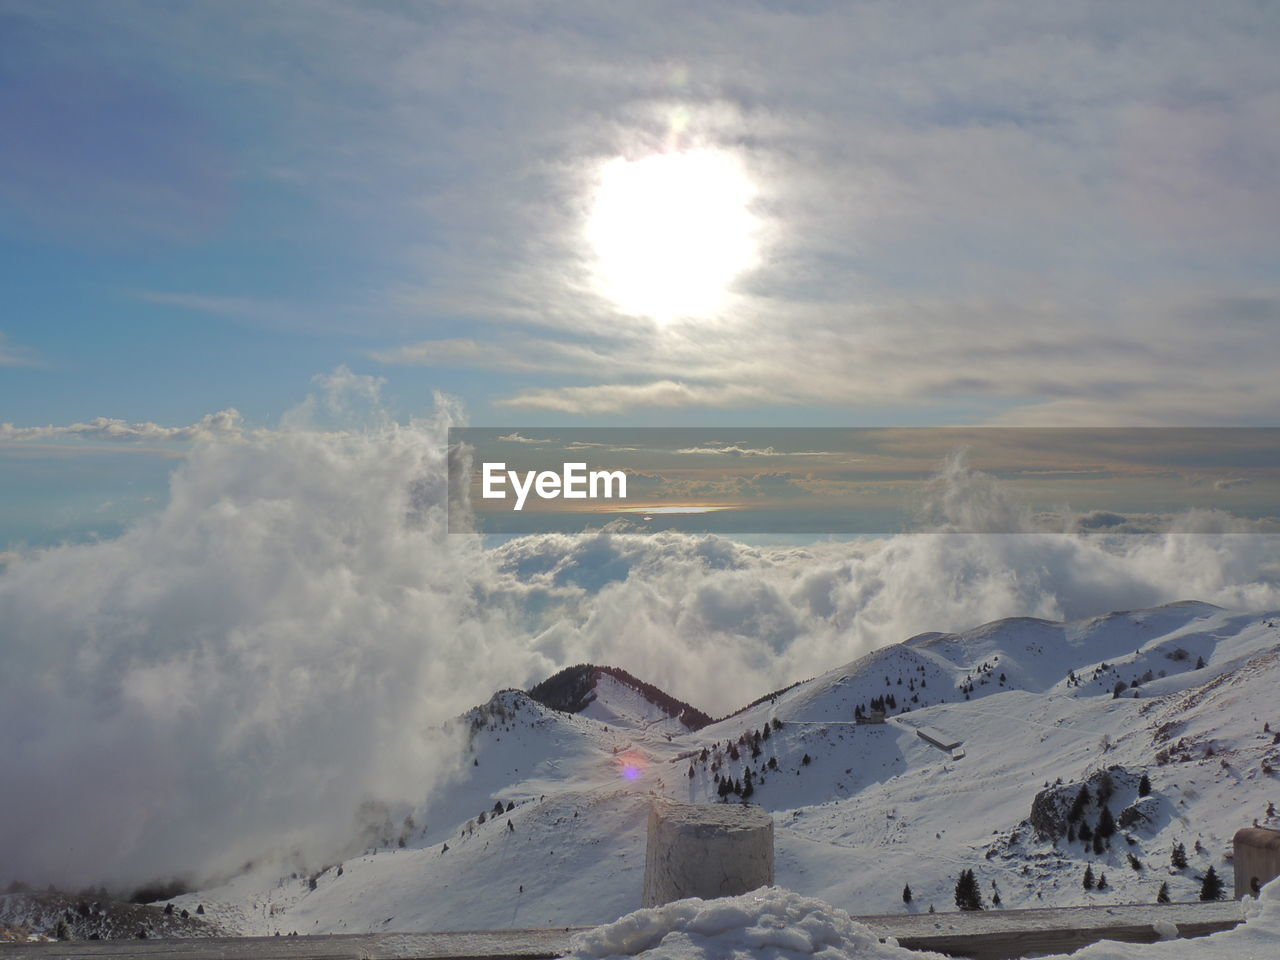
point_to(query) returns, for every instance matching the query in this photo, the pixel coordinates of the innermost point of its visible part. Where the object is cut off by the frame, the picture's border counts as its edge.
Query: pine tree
(1211, 886)
(806, 760)
(1163, 895)
(1144, 786)
(1088, 877)
(1178, 857)
(1099, 845)
(1078, 805)
(906, 893)
(1106, 823)
(968, 895)
(1102, 881)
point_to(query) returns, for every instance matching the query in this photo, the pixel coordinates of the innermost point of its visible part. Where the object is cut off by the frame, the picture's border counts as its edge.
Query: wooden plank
(984, 935)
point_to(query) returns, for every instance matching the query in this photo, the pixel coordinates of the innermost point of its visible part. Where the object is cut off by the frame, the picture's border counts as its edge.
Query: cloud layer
(223, 423)
(236, 673)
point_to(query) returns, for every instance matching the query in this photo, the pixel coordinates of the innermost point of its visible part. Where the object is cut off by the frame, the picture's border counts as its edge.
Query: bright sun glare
(671, 231)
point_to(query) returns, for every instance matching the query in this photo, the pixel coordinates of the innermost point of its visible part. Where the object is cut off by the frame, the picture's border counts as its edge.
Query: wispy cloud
(223, 423)
(1040, 214)
(517, 438)
(12, 355)
(618, 398)
(736, 450)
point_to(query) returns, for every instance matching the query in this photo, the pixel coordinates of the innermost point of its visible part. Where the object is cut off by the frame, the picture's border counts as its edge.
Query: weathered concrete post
(706, 850)
(1257, 859)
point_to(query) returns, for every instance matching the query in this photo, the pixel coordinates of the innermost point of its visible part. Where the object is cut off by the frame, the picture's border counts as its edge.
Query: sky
(258, 258)
(871, 214)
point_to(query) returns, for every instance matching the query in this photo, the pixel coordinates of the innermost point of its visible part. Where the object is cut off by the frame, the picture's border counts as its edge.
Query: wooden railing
(988, 935)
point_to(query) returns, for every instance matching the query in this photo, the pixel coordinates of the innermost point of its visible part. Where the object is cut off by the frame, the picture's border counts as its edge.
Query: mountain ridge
(544, 823)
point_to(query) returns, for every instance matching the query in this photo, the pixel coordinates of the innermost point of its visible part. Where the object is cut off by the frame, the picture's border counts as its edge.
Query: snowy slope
(860, 809)
(623, 706)
(614, 696)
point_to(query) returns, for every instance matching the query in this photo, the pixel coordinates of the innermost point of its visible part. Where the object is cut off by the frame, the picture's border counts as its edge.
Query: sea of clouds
(235, 674)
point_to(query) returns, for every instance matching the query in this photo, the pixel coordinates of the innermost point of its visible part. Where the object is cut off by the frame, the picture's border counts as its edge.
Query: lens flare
(671, 232)
(631, 764)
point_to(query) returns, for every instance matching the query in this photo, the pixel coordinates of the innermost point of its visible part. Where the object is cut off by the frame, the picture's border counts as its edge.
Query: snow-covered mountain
(615, 697)
(546, 823)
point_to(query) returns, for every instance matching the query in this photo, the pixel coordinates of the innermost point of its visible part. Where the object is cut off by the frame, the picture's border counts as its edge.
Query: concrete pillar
(1257, 859)
(706, 850)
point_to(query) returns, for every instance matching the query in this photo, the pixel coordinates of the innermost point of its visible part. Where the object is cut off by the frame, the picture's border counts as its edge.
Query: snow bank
(1258, 938)
(771, 924)
(774, 924)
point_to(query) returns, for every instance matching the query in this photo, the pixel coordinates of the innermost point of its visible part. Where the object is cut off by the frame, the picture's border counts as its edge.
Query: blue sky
(1010, 213)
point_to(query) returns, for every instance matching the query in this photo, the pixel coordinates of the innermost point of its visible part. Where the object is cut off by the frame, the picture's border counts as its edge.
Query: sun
(671, 232)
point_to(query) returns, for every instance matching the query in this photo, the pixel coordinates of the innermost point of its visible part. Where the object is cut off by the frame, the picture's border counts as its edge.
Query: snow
(1258, 938)
(620, 705)
(776, 923)
(874, 809)
(770, 924)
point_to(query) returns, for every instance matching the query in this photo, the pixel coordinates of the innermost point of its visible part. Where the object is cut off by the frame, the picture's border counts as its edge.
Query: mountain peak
(615, 696)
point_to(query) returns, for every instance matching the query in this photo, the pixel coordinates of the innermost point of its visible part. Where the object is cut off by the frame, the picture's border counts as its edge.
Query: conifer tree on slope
(968, 895)
(1211, 885)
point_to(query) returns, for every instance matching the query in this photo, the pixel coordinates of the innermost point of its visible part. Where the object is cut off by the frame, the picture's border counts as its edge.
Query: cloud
(238, 671)
(988, 216)
(618, 398)
(516, 438)
(258, 314)
(14, 356)
(736, 450)
(1228, 483)
(223, 423)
